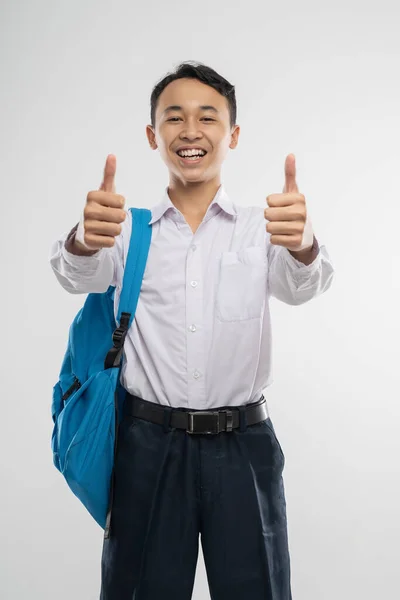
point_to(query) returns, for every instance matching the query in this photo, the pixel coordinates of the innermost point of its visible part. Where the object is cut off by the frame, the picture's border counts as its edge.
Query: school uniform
(200, 341)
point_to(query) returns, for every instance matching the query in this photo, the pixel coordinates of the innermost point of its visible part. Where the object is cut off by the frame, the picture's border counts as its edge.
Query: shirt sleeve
(293, 282)
(88, 274)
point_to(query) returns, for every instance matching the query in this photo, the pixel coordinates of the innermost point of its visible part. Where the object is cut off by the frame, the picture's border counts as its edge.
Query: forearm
(80, 271)
(74, 247)
(307, 256)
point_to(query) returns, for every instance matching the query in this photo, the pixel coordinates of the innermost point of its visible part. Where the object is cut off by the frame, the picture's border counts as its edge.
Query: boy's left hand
(289, 223)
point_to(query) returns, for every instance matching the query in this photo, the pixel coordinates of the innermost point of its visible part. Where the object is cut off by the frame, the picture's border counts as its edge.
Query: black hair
(196, 70)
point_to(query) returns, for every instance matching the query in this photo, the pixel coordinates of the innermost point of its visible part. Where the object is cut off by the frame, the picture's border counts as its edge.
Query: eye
(176, 118)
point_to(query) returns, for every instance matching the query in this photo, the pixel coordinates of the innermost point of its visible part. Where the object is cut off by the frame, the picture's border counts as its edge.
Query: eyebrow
(176, 107)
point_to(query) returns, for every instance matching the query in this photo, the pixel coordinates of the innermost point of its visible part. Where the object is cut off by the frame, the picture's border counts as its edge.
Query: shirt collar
(221, 199)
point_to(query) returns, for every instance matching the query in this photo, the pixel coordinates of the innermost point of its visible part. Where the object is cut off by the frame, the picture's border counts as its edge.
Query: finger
(284, 199)
(108, 183)
(290, 175)
(96, 212)
(284, 227)
(103, 228)
(288, 241)
(280, 214)
(106, 241)
(108, 199)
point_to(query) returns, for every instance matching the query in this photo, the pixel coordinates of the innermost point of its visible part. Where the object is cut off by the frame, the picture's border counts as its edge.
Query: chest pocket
(242, 284)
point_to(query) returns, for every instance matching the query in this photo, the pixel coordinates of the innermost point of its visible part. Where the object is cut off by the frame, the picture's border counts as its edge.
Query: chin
(190, 175)
(192, 179)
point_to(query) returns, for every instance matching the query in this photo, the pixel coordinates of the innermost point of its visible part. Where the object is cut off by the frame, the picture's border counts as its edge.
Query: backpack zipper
(75, 386)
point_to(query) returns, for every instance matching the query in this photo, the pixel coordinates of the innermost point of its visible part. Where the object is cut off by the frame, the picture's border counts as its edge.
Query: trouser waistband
(197, 421)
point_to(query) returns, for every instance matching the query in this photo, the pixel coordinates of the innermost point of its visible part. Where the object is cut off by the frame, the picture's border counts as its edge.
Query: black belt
(196, 421)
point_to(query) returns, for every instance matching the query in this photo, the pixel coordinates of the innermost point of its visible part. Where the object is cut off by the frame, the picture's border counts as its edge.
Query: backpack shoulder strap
(139, 246)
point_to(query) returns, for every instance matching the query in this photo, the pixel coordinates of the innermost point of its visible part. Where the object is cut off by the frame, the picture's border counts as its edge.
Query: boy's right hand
(103, 213)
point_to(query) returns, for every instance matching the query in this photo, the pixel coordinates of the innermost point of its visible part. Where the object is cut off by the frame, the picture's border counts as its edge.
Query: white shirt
(201, 337)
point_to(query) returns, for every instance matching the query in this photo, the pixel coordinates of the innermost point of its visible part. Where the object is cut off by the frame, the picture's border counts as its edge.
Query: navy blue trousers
(171, 488)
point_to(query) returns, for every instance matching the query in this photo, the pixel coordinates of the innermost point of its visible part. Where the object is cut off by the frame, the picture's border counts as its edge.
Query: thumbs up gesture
(103, 213)
(289, 223)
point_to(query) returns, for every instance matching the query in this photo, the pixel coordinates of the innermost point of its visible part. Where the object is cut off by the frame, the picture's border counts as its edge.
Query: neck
(193, 199)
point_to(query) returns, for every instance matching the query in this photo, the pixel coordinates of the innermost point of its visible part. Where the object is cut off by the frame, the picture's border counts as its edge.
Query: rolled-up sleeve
(87, 274)
(293, 282)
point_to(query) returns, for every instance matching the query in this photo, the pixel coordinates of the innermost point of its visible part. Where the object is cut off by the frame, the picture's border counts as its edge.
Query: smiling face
(192, 114)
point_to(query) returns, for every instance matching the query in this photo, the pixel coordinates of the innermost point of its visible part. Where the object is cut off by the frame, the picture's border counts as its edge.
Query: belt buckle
(215, 413)
(199, 413)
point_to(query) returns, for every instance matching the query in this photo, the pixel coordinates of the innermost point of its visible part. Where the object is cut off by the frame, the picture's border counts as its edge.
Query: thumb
(290, 175)
(108, 183)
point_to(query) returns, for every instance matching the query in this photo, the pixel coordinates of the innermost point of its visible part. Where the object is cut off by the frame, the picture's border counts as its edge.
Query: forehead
(190, 94)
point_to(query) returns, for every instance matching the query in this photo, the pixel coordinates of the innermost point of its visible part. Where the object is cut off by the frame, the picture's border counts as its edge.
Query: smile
(191, 160)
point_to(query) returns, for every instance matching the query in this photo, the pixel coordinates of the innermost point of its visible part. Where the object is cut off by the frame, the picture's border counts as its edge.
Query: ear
(151, 136)
(234, 137)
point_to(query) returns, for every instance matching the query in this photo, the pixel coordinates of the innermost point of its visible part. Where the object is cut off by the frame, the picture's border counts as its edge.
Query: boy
(197, 451)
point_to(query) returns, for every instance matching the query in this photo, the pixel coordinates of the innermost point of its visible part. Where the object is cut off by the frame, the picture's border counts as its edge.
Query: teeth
(189, 153)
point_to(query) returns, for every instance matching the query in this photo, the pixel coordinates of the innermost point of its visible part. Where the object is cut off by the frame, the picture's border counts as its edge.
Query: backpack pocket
(83, 439)
(75, 386)
(68, 412)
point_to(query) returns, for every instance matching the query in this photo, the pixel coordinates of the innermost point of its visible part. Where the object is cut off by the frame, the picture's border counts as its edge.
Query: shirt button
(192, 328)
(193, 248)
(196, 374)
(193, 283)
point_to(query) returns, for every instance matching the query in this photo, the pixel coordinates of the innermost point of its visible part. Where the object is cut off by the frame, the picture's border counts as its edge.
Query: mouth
(191, 160)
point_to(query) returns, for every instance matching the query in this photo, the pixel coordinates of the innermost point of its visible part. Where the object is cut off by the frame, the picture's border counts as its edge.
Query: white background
(316, 80)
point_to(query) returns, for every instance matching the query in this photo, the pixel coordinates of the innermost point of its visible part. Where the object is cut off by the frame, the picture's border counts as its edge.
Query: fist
(103, 213)
(289, 222)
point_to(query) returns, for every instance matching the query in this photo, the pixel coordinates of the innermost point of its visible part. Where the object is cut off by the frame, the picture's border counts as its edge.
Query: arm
(74, 247)
(297, 277)
(80, 271)
(307, 256)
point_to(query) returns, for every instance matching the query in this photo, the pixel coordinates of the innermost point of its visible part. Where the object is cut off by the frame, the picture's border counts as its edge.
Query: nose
(190, 134)
(192, 130)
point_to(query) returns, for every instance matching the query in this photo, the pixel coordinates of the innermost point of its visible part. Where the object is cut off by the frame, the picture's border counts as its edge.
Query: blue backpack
(88, 398)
